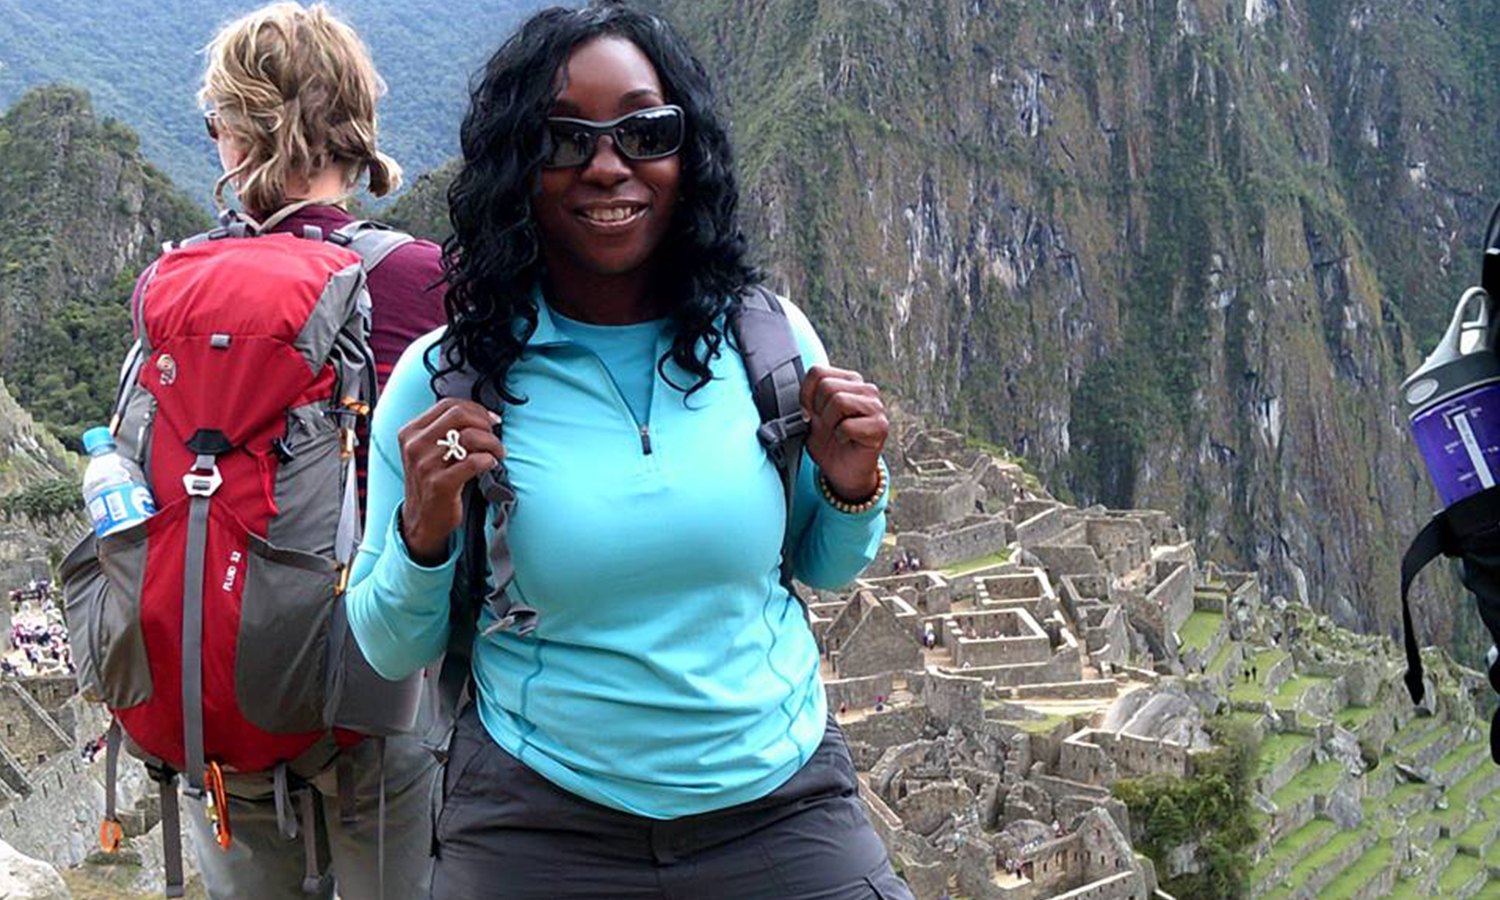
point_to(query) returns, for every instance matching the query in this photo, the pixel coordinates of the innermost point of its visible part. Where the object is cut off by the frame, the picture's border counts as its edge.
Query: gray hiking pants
(261, 864)
(506, 833)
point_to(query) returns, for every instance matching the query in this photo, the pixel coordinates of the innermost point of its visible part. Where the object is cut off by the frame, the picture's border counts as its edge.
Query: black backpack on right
(1441, 396)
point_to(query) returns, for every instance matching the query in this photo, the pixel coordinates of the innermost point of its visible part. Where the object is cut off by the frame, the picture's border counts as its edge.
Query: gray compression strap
(171, 834)
(129, 372)
(380, 822)
(281, 793)
(111, 769)
(192, 645)
(312, 878)
(346, 540)
(372, 241)
(344, 777)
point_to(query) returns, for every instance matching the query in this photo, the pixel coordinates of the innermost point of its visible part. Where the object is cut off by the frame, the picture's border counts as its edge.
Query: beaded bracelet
(844, 506)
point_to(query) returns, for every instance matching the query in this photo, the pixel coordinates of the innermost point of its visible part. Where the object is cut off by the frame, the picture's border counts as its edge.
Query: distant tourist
(665, 714)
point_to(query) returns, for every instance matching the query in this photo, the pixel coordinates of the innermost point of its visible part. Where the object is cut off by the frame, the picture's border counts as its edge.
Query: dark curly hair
(492, 262)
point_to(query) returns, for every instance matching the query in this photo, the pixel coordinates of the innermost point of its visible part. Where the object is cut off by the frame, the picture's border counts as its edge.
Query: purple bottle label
(1460, 442)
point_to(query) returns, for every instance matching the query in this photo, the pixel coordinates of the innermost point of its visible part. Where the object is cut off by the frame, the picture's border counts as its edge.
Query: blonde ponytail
(297, 89)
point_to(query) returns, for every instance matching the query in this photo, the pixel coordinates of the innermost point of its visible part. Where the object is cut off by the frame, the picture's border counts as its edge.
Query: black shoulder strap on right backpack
(1469, 531)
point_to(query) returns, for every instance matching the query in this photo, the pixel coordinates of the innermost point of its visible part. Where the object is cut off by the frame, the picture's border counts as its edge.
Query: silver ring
(456, 451)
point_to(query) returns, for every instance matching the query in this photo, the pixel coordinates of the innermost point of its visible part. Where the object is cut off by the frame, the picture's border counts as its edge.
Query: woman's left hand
(848, 430)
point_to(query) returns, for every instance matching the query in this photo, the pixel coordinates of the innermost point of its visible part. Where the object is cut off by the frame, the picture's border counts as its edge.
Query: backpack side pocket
(103, 609)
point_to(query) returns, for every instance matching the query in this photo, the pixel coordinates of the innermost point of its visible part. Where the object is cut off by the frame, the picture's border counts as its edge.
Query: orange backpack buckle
(217, 807)
(111, 833)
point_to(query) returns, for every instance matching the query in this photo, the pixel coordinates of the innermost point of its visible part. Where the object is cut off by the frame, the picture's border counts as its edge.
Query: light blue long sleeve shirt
(669, 673)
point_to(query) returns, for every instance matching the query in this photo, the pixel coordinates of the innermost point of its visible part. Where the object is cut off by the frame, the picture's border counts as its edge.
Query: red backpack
(215, 630)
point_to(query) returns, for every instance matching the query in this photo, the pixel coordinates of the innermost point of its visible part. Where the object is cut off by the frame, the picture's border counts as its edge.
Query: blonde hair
(297, 88)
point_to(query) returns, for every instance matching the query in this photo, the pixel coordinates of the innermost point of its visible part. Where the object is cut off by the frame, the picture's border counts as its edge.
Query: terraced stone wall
(1069, 559)
(940, 547)
(857, 693)
(28, 732)
(927, 502)
(1044, 525)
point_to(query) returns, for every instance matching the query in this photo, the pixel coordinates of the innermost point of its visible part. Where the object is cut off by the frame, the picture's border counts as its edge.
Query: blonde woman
(289, 95)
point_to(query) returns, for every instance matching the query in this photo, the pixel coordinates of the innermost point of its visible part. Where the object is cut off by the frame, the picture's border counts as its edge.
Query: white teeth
(611, 214)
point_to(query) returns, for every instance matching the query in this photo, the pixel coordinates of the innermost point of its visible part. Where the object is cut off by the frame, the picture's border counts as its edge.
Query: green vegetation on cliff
(1163, 249)
(80, 214)
(1212, 810)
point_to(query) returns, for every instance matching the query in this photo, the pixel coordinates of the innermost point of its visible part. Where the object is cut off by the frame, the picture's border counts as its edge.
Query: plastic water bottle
(1453, 400)
(113, 489)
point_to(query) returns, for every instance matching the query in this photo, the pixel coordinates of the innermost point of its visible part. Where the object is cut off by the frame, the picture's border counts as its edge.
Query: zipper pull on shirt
(646, 439)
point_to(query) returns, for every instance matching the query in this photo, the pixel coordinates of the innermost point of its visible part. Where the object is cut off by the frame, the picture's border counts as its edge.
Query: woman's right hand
(434, 486)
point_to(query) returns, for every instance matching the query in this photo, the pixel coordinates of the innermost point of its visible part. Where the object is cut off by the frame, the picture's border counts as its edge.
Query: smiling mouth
(613, 216)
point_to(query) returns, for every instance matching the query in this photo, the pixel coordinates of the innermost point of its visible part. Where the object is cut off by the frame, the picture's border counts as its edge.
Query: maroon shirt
(406, 302)
(406, 290)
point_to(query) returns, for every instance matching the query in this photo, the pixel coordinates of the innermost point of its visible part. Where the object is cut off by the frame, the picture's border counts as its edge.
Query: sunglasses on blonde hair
(647, 134)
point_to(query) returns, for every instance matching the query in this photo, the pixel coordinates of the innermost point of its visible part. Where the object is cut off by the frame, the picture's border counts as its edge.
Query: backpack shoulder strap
(480, 558)
(773, 364)
(373, 241)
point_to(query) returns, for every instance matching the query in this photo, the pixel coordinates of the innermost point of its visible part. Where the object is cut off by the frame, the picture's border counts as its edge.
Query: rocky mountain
(1180, 253)
(80, 214)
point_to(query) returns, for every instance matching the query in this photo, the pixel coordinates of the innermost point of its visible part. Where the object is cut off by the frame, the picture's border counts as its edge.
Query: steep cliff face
(80, 214)
(1168, 250)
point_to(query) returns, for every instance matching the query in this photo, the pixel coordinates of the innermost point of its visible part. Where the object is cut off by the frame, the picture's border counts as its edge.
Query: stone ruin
(995, 691)
(52, 777)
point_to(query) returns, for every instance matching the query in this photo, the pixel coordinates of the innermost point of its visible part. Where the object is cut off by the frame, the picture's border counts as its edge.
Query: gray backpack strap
(773, 363)
(371, 240)
(492, 497)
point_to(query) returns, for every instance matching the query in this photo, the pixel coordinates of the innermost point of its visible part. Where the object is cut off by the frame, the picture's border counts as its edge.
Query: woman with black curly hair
(661, 731)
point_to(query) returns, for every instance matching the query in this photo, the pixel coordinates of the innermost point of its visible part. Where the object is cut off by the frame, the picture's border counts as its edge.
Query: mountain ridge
(1133, 241)
(53, 40)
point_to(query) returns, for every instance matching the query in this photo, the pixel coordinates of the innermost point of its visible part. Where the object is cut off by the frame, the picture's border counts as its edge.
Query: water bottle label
(1460, 442)
(119, 506)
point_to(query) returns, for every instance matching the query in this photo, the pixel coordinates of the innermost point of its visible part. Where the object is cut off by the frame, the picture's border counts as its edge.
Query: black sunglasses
(211, 123)
(648, 134)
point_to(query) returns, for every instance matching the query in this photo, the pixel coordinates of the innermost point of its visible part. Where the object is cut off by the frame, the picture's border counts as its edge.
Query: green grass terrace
(974, 565)
(1316, 780)
(1198, 631)
(1276, 749)
(1293, 688)
(1353, 718)
(1320, 858)
(1292, 846)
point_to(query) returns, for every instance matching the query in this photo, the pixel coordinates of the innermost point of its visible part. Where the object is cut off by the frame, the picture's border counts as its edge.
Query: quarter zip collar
(546, 333)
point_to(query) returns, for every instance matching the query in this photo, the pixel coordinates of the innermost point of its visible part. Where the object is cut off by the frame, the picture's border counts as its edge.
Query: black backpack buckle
(775, 434)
